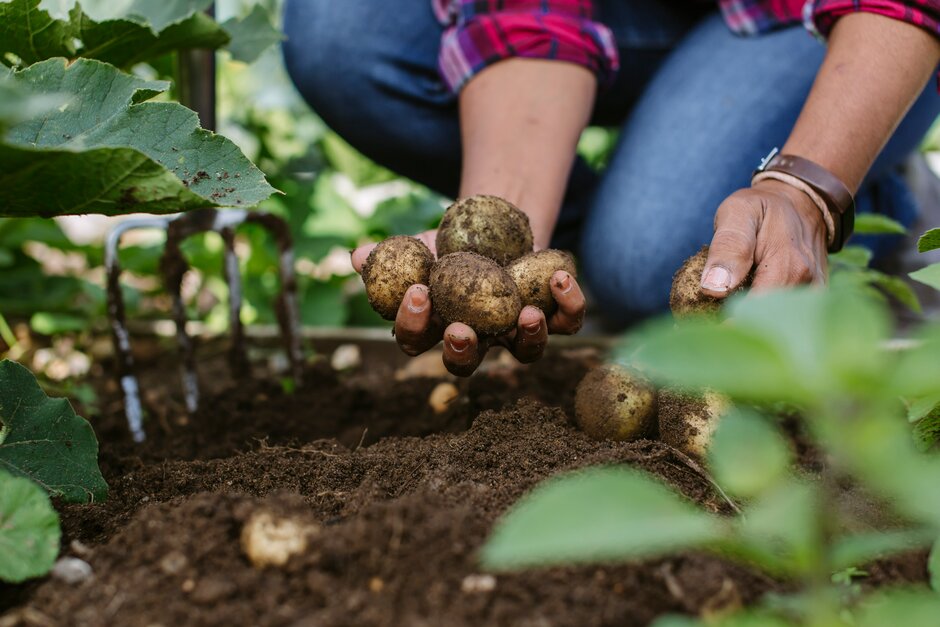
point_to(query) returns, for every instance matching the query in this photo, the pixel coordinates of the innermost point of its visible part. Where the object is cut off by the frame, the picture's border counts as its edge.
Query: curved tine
(288, 308)
(238, 355)
(174, 267)
(120, 336)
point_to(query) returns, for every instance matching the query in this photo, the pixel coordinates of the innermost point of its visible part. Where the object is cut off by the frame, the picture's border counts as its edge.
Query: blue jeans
(697, 107)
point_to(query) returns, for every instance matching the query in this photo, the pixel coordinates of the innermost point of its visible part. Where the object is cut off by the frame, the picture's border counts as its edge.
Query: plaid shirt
(482, 32)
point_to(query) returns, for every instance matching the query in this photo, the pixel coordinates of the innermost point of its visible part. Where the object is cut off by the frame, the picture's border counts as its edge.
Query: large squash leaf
(106, 151)
(29, 530)
(125, 35)
(44, 440)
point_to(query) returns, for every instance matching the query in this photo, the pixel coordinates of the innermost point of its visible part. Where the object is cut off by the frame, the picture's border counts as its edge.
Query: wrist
(805, 207)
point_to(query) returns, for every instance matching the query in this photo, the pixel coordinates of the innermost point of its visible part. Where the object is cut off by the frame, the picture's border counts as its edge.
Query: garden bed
(402, 499)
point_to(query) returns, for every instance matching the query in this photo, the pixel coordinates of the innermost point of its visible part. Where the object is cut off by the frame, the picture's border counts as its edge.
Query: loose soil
(403, 498)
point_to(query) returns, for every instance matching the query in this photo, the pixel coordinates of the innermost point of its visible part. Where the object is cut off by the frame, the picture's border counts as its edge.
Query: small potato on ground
(533, 272)
(391, 268)
(687, 421)
(486, 225)
(615, 403)
(474, 290)
(271, 540)
(686, 298)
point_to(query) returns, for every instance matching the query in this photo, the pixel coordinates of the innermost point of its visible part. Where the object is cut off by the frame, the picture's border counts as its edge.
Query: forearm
(874, 70)
(520, 121)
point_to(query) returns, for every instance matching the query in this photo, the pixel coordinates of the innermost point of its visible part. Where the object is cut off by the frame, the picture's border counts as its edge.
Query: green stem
(6, 333)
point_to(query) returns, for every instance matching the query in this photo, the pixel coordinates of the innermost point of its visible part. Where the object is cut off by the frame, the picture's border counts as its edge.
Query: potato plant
(800, 349)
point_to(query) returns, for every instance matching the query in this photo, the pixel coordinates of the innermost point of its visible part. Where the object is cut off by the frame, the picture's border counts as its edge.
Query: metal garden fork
(173, 267)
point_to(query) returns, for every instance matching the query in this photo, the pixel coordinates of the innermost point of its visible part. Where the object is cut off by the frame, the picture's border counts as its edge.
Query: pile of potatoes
(486, 270)
(618, 403)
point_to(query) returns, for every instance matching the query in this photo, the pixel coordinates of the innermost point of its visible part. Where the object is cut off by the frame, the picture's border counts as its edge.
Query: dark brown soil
(403, 499)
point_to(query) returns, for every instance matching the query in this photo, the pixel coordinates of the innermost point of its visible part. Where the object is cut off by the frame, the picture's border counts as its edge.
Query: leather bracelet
(834, 193)
(792, 181)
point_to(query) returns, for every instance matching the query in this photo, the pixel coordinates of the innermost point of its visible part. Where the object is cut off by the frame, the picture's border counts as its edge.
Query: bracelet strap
(833, 192)
(792, 181)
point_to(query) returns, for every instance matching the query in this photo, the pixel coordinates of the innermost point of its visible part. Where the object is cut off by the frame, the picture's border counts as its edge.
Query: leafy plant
(821, 351)
(29, 530)
(44, 440)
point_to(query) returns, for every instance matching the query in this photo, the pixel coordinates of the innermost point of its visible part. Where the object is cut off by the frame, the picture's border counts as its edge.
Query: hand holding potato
(478, 303)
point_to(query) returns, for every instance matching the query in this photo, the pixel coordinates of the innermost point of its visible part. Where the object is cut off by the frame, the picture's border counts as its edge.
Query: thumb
(731, 253)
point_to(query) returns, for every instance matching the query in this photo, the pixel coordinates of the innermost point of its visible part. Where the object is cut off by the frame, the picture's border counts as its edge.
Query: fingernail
(565, 284)
(458, 344)
(418, 301)
(532, 328)
(717, 279)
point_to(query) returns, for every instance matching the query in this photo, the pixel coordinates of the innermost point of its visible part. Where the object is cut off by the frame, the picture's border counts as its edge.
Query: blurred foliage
(822, 352)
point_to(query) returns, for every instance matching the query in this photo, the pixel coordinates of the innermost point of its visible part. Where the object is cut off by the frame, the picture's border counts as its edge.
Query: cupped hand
(418, 328)
(772, 228)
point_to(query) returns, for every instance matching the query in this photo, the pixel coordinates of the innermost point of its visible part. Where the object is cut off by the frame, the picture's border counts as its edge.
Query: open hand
(772, 228)
(418, 328)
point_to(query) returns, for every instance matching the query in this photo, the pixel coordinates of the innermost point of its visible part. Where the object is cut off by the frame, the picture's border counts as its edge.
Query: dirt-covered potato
(688, 421)
(269, 540)
(485, 225)
(533, 274)
(686, 298)
(615, 403)
(391, 268)
(474, 290)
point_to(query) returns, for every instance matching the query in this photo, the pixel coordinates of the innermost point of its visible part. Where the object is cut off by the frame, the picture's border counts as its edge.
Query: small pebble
(376, 585)
(72, 570)
(346, 357)
(474, 584)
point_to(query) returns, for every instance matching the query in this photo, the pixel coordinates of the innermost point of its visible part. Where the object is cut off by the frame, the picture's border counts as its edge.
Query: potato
(686, 298)
(485, 225)
(270, 540)
(474, 290)
(391, 268)
(533, 272)
(687, 421)
(615, 403)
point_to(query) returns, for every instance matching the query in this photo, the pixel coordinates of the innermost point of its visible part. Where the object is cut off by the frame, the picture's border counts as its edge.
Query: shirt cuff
(820, 16)
(472, 43)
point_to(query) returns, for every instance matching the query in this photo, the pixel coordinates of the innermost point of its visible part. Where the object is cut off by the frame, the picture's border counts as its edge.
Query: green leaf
(928, 276)
(102, 153)
(32, 34)
(46, 441)
(405, 215)
(896, 287)
(779, 530)
(18, 103)
(698, 354)
(857, 550)
(877, 224)
(126, 42)
(160, 15)
(349, 161)
(900, 607)
(52, 323)
(929, 241)
(323, 305)
(251, 35)
(854, 256)
(747, 455)
(29, 530)
(596, 515)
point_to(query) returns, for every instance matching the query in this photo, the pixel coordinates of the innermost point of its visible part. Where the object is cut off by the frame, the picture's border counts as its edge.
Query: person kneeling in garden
(491, 96)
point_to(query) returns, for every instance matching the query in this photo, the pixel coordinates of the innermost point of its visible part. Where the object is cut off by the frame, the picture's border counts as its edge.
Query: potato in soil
(686, 298)
(474, 290)
(485, 225)
(687, 421)
(533, 272)
(391, 268)
(615, 403)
